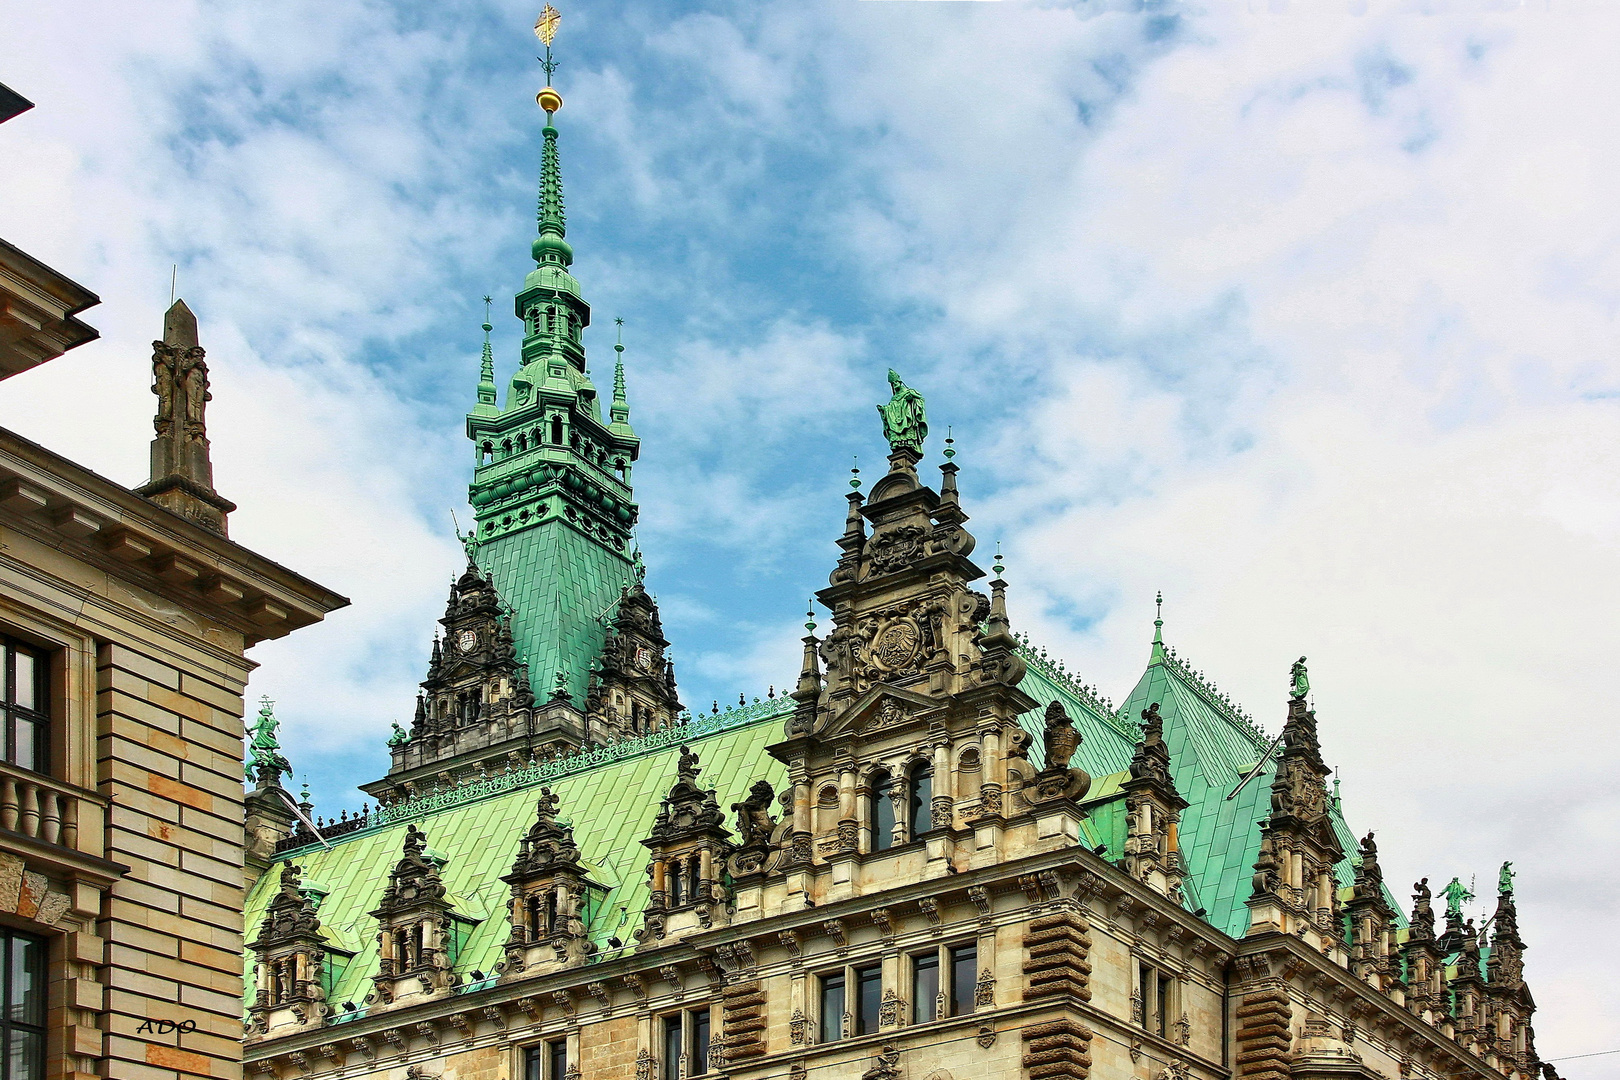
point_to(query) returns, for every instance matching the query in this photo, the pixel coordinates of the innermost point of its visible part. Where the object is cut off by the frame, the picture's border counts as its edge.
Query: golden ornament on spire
(545, 27)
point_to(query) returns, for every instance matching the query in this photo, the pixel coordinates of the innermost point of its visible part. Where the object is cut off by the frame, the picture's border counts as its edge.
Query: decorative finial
(545, 28)
(950, 444)
(488, 300)
(998, 567)
(810, 616)
(855, 474)
(618, 345)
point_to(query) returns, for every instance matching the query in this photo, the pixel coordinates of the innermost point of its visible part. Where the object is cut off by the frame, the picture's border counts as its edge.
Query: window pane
(882, 815)
(964, 965)
(559, 1060)
(869, 985)
(832, 1007)
(22, 742)
(531, 1063)
(924, 986)
(25, 1056)
(700, 1042)
(26, 976)
(922, 796)
(23, 689)
(672, 1047)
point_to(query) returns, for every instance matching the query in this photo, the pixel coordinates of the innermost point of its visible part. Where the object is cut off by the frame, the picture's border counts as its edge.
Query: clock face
(467, 640)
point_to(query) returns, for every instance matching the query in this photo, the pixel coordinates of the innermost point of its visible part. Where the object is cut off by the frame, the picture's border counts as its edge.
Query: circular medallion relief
(467, 640)
(897, 645)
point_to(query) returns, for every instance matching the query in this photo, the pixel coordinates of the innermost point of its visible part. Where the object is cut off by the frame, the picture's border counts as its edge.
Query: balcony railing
(49, 811)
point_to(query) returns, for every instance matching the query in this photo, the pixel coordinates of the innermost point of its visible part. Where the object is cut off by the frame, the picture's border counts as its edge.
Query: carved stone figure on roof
(905, 418)
(266, 765)
(1299, 679)
(1457, 894)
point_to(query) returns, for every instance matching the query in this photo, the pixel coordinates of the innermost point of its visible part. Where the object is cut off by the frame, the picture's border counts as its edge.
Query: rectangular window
(1157, 990)
(672, 1048)
(22, 1012)
(557, 1053)
(964, 971)
(924, 986)
(832, 1007)
(23, 705)
(869, 1000)
(700, 1041)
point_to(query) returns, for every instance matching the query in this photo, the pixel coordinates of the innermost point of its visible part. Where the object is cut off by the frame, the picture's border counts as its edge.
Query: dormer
(690, 846)
(295, 963)
(418, 933)
(553, 898)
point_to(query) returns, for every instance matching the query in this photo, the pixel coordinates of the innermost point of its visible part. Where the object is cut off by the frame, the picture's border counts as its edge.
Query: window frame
(39, 975)
(691, 1027)
(960, 1000)
(36, 715)
(1160, 993)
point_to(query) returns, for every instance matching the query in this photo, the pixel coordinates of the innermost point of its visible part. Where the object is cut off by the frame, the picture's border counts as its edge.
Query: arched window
(882, 812)
(488, 454)
(695, 884)
(556, 431)
(523, 443)
(677, 885)
(922, 795)
(551, 910)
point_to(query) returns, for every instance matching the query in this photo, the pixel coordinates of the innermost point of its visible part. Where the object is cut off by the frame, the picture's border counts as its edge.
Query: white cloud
(1307, 320)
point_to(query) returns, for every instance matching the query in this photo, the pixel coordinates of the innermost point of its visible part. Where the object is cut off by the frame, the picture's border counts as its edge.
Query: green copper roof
(611, 806)
(612, 794)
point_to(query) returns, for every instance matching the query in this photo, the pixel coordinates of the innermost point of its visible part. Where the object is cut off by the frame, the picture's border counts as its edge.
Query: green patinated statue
(1456, 895)
(1301, 680)
(1504, 881)
(265, 765)
(905, 420)
(399, 738)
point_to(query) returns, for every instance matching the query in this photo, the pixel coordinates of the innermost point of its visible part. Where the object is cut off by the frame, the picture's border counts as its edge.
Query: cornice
(68, 507)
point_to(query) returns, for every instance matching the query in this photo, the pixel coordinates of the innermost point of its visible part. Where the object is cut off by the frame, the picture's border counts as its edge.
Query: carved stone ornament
(799, 1028)
(896, 646)
(890, 1010)
(885, 1067)
(987, 1037)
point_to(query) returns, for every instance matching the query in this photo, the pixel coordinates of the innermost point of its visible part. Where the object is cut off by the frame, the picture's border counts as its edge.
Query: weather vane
(545, 28)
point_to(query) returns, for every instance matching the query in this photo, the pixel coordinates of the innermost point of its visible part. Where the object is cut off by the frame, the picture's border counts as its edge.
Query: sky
(1304, 314)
